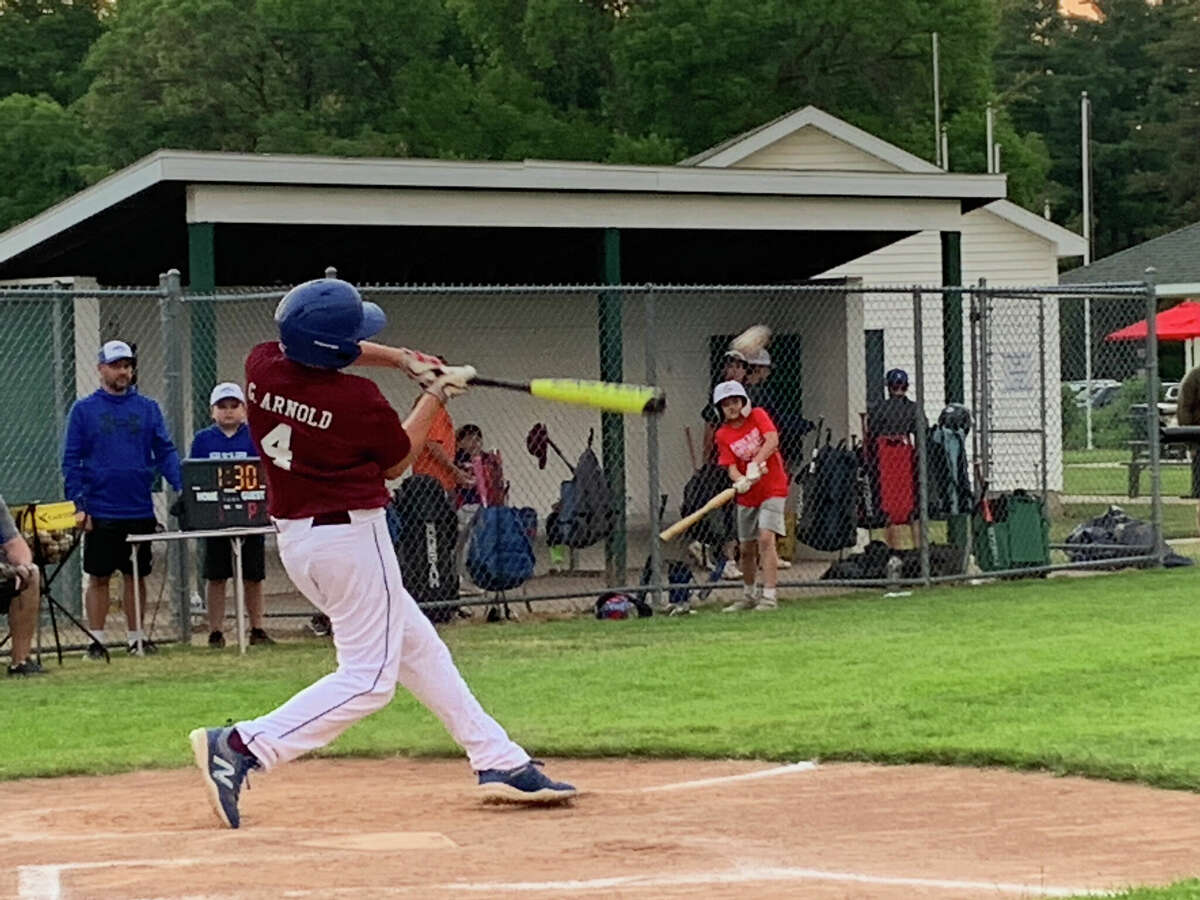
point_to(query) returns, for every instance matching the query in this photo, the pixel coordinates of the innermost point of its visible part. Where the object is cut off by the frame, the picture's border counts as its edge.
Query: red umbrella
(1179, 323)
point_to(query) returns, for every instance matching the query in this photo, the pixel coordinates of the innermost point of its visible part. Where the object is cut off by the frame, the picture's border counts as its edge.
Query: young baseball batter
(748, 446)
(328, 440)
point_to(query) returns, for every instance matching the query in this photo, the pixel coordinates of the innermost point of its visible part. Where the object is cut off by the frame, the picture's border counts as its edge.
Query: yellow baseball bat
(688, 521)
(610, 396)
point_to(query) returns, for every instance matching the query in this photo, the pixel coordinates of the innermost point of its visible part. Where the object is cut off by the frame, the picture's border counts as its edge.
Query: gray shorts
(766, 517)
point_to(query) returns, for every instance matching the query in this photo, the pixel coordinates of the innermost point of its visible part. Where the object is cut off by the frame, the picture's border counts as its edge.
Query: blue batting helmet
(321, 322)
(896, 378)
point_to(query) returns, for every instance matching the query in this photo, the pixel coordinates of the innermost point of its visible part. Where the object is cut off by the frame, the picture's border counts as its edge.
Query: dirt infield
(387, 828)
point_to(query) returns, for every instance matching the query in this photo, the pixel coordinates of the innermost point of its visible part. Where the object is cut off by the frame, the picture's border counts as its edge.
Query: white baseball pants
(350, 573)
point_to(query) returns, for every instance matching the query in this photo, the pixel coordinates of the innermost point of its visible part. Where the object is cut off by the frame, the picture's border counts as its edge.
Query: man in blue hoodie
(116, 444)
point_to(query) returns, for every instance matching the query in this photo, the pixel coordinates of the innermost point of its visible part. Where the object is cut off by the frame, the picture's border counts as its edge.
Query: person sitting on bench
(19, 594)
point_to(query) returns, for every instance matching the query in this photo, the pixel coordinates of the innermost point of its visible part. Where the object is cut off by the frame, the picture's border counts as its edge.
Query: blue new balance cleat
(224, 769)
(524, 784)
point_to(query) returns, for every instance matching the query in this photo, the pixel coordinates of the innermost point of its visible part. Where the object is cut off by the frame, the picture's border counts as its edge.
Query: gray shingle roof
(1176, 256)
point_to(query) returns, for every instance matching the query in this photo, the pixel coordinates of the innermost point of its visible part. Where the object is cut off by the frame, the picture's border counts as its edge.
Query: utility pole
(937, 105)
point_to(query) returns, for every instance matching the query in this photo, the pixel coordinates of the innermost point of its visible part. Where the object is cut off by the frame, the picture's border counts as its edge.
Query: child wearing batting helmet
(329, 441)
(748, 447)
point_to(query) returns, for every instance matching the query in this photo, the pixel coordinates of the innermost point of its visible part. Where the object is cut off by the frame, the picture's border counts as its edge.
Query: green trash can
(1017, 538)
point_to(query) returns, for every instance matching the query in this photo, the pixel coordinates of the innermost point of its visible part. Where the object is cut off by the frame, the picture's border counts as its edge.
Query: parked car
(1103, 396)
(1171, 392)
(1079, 389)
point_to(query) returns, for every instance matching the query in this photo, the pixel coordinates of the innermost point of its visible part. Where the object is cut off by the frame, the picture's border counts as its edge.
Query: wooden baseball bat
(688, 521)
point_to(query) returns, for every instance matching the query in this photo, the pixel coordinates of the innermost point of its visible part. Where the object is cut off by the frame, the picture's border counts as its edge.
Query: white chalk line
(767, 873)
(806, 766)
(33, 837)
(44, 882)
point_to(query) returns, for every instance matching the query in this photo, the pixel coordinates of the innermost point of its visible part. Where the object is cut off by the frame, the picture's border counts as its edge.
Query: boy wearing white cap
(229, 438)
(748, 447)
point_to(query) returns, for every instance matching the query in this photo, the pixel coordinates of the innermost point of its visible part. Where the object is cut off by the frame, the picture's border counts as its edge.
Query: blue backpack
(500, 555)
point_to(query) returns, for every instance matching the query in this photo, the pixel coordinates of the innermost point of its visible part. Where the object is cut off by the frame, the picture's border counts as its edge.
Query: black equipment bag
(585, 513)
(717, 527)
(427, 531)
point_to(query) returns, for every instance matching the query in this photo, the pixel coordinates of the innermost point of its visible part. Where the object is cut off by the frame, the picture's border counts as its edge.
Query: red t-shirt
(325, 438)
(737, 444)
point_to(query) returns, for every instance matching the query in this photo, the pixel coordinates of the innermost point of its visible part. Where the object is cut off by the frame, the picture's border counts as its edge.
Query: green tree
(1171, 135)
(700, 71)
(43, 44)
(1043, 63)
(44, 156)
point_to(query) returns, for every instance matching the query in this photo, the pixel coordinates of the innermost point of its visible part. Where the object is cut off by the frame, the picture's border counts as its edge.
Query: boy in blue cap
(229, 438)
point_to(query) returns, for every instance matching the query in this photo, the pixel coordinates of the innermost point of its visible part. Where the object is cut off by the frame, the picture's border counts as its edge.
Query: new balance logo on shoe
(222, 771)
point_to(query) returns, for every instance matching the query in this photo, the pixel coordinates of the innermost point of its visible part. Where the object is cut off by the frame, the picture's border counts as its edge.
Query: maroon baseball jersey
(325, 437)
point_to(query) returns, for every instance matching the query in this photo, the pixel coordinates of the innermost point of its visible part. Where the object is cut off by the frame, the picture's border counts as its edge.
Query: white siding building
(1001, 242)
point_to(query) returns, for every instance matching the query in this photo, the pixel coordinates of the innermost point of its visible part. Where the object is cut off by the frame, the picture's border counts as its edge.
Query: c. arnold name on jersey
(290, 409)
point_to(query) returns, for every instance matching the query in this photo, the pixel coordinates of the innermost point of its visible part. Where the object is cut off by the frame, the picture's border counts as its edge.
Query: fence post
(1152, 422)
(1042, 396)
(922, 474)
(653, 476)
(612, 425)
(983, 418)
(170, 299)
(952, 337)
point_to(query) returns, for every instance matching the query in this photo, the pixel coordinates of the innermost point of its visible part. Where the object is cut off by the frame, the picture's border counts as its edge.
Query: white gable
(811, 148)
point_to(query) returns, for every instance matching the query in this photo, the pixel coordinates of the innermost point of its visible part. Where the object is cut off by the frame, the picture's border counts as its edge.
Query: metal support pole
(1152, 422)
(202, 279)
(983, 415)
(169, 303)
(1085, 145)
(653, 476)
(952, 330)
(937, 103)
(991, 139)
(922, 474)
(239, 592)
(612, 425)
(975, 387)
(1042, 395)
(1087, 367)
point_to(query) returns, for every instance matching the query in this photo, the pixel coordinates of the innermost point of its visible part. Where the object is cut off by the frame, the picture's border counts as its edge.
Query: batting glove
(743, 484)
(421, 367)
(755, 471)
(452, 381)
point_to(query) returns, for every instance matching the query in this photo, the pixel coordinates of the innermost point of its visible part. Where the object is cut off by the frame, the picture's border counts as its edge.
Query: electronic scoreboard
(223, 493)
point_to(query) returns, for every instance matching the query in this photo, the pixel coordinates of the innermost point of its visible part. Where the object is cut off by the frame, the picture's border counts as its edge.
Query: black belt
(341, 517)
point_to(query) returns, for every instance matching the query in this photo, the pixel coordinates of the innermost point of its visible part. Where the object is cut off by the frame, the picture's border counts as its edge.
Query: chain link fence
(926, 433)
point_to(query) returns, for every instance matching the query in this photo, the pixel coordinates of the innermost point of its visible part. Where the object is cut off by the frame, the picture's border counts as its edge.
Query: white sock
(768, 593)
(135, 636)
(748, 591)
(99, 635)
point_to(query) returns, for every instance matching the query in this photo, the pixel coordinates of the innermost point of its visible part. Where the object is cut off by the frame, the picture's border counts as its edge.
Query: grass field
(1093, 676)
(1178, 521)
(1114, 481)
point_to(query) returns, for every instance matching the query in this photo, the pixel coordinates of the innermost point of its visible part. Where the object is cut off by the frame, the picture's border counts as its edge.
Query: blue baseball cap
(114, 351)
(897, 378)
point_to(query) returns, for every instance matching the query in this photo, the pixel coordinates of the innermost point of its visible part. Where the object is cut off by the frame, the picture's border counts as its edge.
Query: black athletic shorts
(218, 558)
(105, 549)
(8, 592)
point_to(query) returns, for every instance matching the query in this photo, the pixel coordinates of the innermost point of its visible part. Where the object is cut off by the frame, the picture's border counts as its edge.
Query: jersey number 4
(277, 444)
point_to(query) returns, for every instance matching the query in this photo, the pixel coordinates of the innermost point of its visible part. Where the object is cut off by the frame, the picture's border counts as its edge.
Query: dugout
(229, 220)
